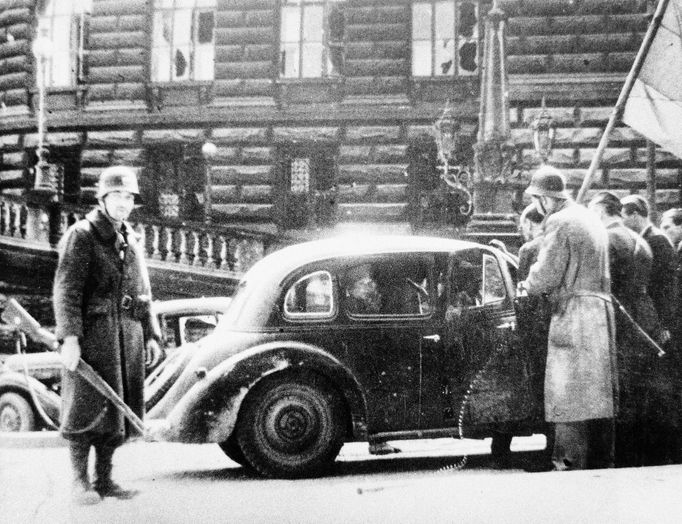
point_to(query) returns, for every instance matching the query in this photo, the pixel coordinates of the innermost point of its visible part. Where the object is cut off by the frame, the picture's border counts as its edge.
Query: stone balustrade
(197, 245)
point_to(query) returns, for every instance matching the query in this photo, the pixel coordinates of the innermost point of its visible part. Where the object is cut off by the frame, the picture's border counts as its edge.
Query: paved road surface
(197, 483)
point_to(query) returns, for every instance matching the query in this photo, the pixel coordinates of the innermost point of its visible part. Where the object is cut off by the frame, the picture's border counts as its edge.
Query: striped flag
(654, 106)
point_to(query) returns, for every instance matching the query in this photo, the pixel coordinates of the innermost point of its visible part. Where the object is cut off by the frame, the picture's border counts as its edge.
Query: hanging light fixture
(544, 130)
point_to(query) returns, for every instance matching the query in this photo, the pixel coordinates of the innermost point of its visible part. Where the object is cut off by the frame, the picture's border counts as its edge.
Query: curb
(32, 439)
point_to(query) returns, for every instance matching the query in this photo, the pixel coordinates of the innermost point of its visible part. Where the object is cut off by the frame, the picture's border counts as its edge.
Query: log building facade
(320, 110)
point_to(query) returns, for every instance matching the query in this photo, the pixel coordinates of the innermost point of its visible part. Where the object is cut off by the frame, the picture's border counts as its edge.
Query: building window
(311, 38)
(183, 47)
(173, 183)
(63, 24)
(306, 185)
(445, 38)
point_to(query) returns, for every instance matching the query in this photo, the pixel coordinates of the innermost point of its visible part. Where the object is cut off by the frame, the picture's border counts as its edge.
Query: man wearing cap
(572, 269)
(101, 304)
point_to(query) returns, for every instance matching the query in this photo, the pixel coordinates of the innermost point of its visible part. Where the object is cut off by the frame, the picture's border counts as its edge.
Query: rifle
(15, 315)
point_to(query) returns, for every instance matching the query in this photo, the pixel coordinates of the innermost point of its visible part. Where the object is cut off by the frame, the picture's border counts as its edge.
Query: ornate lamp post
(494, 150)
(209, 151)
(446, 133)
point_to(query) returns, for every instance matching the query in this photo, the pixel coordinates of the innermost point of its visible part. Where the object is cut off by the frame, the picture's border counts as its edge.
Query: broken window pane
(205, 26)
(181, 71)
(183, 40)
(290, 61)
(445, 57)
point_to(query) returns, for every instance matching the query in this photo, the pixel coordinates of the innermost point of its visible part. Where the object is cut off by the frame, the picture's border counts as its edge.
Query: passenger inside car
(362, 295)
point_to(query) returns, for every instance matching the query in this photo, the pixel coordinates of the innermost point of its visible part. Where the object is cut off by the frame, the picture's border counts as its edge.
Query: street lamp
(446, 133)
(208, 151)
(42, 49)
(544, 129)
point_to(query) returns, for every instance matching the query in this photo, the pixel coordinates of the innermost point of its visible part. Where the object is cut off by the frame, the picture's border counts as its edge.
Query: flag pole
(623, 97)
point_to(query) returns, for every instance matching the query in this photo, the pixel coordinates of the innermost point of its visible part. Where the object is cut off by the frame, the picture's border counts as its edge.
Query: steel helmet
(118, 178)
(548, 181)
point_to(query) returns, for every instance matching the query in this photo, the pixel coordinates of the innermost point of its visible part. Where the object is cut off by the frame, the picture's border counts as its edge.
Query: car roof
(285, 260)
(202, 305)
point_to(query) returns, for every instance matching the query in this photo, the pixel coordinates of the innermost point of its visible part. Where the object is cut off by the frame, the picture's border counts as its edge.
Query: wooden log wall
(369, 114)
(117, 58)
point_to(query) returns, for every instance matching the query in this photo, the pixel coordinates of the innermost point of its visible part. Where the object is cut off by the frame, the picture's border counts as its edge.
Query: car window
(388, 287)
(197, 327)
(493, 281)
(310, 297)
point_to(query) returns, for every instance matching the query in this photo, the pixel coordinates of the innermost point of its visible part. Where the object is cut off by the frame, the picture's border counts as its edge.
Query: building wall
(574, 54)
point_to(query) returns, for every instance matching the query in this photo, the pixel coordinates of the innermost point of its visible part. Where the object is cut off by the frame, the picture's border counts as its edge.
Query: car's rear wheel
(16, 414)
(291, 426)
(231, 448)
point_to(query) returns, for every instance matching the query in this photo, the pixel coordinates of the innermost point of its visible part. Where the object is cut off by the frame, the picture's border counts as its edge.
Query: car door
(386, 302)
(474, 319)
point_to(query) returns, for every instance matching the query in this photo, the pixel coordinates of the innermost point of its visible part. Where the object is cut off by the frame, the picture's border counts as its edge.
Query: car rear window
(311, 296)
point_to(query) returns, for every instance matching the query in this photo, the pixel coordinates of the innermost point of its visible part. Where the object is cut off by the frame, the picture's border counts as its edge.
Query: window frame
(194, 44)
(455, 37)
(327, 67)
(422, 257)
(78, 16)
(294, 316)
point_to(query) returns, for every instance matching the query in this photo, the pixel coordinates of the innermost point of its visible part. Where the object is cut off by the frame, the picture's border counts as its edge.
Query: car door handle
(432, 338)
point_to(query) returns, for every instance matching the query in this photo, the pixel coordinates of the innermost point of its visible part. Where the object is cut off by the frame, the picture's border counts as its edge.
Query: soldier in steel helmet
(101, 304)
(572, 269)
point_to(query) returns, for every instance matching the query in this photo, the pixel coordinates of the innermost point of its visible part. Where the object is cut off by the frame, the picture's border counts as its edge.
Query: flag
(654, 105)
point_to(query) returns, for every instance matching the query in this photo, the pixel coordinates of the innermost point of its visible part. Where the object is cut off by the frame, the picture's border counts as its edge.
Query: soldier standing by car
(572, 268)
(101, 304)
(641, 391)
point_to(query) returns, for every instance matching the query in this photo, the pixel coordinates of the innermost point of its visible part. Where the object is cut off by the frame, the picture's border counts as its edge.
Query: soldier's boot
(103, 484)
(82, 493)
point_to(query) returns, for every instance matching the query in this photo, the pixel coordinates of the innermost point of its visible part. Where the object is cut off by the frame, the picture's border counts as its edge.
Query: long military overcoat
(572, 268)
(99, 296)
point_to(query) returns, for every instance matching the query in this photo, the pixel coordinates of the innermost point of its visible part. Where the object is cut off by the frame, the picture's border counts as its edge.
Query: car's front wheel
(291, 426)
(231, 448)
(16, 414)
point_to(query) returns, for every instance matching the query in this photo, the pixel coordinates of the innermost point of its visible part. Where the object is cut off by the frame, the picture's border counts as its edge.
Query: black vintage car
(352, 339)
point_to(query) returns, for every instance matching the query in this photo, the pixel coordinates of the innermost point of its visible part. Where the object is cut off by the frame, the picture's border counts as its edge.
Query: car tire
(231, 448)
(291, 426)
(16, 414)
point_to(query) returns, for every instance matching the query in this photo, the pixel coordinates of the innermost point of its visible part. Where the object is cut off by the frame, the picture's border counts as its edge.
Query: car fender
(208, 411)
(13, 381)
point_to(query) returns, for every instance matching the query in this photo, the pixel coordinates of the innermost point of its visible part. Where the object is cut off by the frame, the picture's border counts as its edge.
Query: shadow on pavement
(396, 464)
